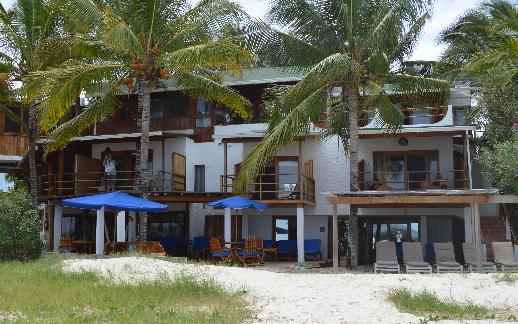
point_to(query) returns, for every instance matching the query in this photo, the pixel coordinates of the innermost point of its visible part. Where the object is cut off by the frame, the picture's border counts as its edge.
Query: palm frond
(82, 16)
(220, 55)
(294, 124)
(58, 88)
(119, 36)
(210, 90)
(102, 109)
(335, 68)
(12, 116)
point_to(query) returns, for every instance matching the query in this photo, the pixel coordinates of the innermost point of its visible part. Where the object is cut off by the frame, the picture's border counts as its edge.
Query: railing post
(261, 187)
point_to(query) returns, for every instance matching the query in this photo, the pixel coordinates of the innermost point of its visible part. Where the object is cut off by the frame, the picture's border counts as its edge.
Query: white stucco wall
(443, 144)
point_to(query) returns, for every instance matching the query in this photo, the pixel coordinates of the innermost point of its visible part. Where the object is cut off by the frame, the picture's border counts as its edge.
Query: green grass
(509, 278)
(427, 304)
(39, 291)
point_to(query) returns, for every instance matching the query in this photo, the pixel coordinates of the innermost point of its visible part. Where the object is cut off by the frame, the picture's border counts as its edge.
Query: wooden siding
(13, 144)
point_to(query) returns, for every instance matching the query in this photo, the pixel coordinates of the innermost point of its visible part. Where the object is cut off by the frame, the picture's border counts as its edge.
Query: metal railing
(268, 187)
(82, 183)
(414, 180)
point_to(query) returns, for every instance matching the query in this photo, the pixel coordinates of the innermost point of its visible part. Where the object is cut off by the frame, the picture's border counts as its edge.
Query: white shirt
(109, 167)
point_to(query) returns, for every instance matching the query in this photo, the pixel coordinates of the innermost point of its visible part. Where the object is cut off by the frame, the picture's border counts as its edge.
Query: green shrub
(20, 226)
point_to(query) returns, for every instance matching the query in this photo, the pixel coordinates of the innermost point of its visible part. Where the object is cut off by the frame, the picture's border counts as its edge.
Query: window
(408, 170)
(281, 229)
(459, 115)
(11, 126)
(203, 118)
(199, 178)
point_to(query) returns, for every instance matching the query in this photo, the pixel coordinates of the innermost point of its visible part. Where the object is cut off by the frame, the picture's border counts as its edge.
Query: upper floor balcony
(276, 188)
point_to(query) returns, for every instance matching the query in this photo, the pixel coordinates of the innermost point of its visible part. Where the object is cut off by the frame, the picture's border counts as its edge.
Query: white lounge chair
(471, 259)
(504, 256)
(386, 258)
(413, 258)
(445, 258)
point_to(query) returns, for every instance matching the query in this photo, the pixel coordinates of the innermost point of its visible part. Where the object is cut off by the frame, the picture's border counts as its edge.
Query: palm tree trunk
(352, 97)
(31, 138)
(144, 101)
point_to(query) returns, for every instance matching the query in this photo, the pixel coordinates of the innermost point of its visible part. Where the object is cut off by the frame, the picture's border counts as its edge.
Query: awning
(114, 201)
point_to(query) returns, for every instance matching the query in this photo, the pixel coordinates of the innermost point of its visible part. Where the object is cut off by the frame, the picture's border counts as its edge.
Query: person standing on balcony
(110, 172)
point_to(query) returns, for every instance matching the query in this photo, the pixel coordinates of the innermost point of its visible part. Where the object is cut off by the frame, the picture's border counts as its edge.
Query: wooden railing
(302, 190)
(414, 180)
(123, 126)
(84, 183)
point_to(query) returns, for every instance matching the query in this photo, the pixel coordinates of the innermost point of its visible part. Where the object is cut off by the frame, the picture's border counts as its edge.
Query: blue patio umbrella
(237, 202)
(112, 201)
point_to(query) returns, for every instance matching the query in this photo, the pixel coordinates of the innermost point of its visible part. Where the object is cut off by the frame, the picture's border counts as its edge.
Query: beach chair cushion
(448, 264)
(219, 254)
(444, 252)
(312, 246)
(413, 253)
(287, 246)
(510, 263)
(503, 252)
(417, 263)
(387, 263)
(483, 263)
(386, 252)
(267, 244)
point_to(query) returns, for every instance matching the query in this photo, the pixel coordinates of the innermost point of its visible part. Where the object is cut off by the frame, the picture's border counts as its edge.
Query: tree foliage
(20, 226)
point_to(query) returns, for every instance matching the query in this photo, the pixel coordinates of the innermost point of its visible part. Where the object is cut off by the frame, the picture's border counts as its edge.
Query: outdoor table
(83, 245)
(234, 247)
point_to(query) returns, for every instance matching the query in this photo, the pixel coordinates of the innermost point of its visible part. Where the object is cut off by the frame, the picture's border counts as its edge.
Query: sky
(445, 12)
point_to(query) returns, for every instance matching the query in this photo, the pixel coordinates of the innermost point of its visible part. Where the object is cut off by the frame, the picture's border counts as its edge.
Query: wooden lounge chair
(413, 258)
(445, 258)
(471, 259)
(253, 251)
(504, 256)
(386, 258)
(217, 252)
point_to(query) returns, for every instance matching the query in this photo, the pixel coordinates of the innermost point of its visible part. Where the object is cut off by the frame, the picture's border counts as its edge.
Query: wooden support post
(225, 167)
(335, 236)
(61, 170)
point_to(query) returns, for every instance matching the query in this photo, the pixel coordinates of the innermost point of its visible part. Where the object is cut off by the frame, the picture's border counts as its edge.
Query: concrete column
(121, 226)
(468, 225)
(423, 223)
(477, 234)
(99, 232)
(132, 227)
(300, 235)
(58, 216)
(228, 225)
(335, 236)
(244, 229)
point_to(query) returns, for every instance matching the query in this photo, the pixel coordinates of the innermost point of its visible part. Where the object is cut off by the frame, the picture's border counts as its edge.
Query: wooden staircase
(493, 230)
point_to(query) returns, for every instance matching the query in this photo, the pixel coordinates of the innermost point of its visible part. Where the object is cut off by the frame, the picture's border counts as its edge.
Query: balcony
(277, 188)
(87, 183)
(414, 180)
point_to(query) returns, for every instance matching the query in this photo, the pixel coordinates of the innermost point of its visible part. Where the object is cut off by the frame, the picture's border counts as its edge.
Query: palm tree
(25, 31)
(354, 46)
(139, 44)
(483, 44)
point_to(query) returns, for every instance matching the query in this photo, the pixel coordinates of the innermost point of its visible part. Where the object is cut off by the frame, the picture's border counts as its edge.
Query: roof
(423, 197)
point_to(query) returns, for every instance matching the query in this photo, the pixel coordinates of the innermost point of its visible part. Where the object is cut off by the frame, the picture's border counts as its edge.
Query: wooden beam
(503, 199)
(391, 200)
(416, 206)
(411, 134)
